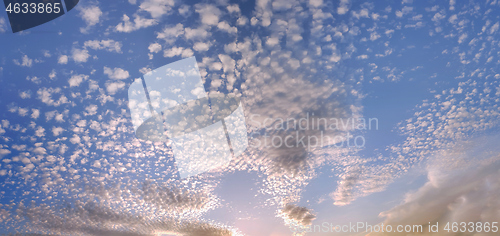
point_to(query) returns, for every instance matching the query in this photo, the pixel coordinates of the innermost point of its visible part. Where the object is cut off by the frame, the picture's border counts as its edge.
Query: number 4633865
(471, 227)
(34, 8)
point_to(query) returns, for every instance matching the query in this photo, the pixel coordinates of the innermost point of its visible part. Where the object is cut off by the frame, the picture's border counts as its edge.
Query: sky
(408, 91)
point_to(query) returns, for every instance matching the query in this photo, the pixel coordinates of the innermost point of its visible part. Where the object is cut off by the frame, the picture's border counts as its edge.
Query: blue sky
(70, 163)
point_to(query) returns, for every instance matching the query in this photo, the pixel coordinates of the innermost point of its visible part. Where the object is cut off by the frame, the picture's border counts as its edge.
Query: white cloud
(281, 5)
(90, 15)
(364, 56)
(233, 8)
(404, 11)
(224, 26)
(79, 55)
(40, 132)
(374, 36)
(52, 74)
(170, 34)
(185, 10)
(22, 111)
(97, 164)
(4, 152)
(316, 3)
(91, 110)
(187, 53)
(26, 61)
(209, 14)
(154, 47)
(157, 8)
(462, 38)
(201, 46)
(460, 196)
(19, 147)
(242, 20)
(342, 10)
(228, 63)
(494, 28)
(75, 139)
(25, 94)
(76, 80)
(113, 87)
(109, 45)
(56, 131)
(272, 41)
(361, 13)
(3, 25)
(35, 113)
(126, 26)
(39, 150)
(116, 73)
(63, 59)
(452, 5)
(438, 16)
(453, 19)
(199, 33)
(343, 7)
(45, 95)
(172, 52)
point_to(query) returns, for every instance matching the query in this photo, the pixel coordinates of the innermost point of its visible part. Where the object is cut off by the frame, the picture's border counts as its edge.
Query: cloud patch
(127, 26)
(76, 80)
(108, 45)
(456, 190)
(25, 61)
(3, 25)
(301, 215)
(157, 8)
(116, 73)
(91, 15)
(79, 55)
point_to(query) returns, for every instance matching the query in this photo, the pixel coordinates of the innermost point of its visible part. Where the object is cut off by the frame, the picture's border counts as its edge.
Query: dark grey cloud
(301, 215)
